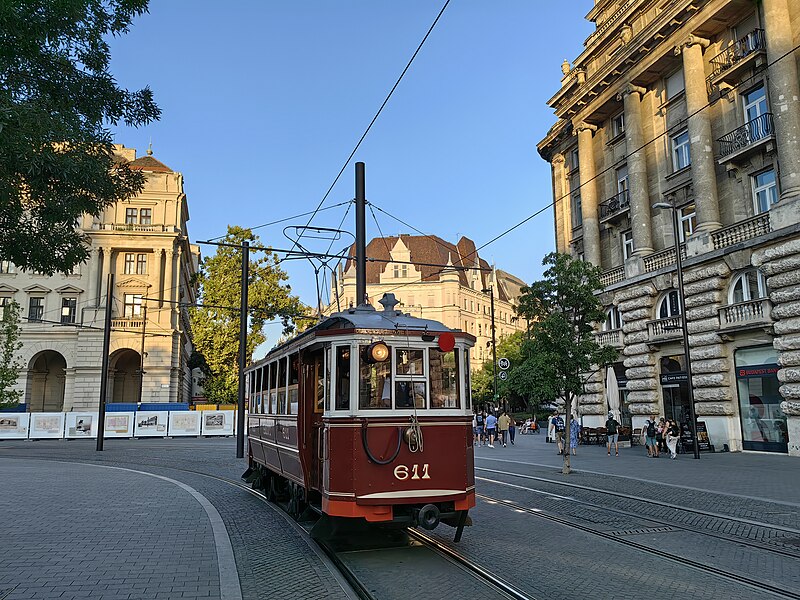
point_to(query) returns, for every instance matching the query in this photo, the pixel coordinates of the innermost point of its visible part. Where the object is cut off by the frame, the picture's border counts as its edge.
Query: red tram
(367, 416)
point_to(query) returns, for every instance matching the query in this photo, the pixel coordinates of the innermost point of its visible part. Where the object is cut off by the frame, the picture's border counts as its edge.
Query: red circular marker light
(447, 341)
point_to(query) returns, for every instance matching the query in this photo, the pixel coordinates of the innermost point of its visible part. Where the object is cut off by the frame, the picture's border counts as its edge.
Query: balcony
(612, 337)
(135, 227)
(127, 324)
(743, 53)
(665, 329)
(741, 231)
(615, 206)
(662, 259)
(612, 276)
(746, 315)
(746, 138)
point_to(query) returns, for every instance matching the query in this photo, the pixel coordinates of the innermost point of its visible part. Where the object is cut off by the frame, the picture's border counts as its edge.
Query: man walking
(491, 428)
(557, 429)
(502, 424)
(612, 433)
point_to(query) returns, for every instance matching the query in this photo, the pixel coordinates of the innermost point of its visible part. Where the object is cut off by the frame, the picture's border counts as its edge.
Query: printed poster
(184, 422)
(151, 424)
(46, 426)
(217, 422)
(14, 426)
(81, 425)
(118, 425)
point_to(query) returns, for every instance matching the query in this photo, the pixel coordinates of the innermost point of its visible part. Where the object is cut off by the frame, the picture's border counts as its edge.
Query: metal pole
(494, 345)
(141, 361)
(685, 331)
(242, 348)
(361, 237)
(101, 425)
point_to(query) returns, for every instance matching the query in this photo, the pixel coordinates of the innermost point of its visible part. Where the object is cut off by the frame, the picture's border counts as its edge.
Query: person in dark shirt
(612, 430)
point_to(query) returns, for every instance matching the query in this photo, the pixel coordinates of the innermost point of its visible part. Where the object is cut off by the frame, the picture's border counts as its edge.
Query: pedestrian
(574, 433)
(673, 435)
(650, 438)
(612, 434)
(557, 429)
(502, 425)
(479, 424)
(491, 428)
(661, 435)
(512, 430)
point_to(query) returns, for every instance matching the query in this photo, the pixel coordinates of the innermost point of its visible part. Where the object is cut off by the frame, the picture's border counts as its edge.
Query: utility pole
(361, 237)
(101, 425)
(242, 348)
(490, 291)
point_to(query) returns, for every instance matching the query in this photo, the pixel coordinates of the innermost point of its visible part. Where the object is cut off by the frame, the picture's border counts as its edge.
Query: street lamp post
(685, 331)
(490, 291)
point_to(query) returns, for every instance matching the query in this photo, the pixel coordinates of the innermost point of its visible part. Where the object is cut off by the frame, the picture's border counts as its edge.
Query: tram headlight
(377, 352)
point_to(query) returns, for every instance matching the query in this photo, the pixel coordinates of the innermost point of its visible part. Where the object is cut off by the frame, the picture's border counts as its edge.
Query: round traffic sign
(503, 375)
(503, 363)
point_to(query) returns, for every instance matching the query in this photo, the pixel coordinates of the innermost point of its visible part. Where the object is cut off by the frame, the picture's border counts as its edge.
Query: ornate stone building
(144, 243)
(692, 103)
(452, 295)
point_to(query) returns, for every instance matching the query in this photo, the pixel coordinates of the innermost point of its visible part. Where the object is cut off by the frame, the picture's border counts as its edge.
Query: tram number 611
(403, 472)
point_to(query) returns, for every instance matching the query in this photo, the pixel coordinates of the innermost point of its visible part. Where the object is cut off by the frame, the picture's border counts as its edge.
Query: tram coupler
(462, 520)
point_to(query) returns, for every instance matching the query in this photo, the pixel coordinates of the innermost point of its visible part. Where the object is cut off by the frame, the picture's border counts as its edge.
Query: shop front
(762, 420)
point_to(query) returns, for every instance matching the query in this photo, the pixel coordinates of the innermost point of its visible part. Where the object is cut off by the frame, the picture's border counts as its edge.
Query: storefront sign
(667, 378)
(757, 371)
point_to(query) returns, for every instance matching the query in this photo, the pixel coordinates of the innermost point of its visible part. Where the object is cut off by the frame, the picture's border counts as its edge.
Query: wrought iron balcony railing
(753, 42)
(615, 205)
(748, 134)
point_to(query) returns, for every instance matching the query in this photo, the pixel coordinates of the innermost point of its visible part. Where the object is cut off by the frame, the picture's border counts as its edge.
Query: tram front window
(375, 383)
(342, 377)
(444, 374)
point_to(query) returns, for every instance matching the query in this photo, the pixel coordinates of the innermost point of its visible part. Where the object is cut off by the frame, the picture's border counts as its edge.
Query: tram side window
(467, 383)
(294, 380)
(342, 377)
(444, 376)
(375, 383)
(317, 372)
(327, 382)
(281, 408)
(409, 387)
(272, 401)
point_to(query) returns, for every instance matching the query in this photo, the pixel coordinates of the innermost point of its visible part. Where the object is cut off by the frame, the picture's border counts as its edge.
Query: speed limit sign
(504, 363)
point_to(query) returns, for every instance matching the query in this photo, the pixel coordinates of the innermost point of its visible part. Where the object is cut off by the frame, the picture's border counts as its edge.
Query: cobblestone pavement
(272, 559)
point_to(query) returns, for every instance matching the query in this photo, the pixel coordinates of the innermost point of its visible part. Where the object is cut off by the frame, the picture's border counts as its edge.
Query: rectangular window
(69, 308)
(681, 155)
(622, 181)
(574, 160)
(130, 216)
(765, 191)
(409, 390)
(755, 104)
(577, 215)
(145, 216)
(375, 383)
(618, 125)
(141, 264)
(281, 385)
(130, 263)
(4, 301)
(675, 84)
(6, 266)
(627, 244)
(342, 375)
(444, 377)
(35, 309)
(132, 306)
(687, 218)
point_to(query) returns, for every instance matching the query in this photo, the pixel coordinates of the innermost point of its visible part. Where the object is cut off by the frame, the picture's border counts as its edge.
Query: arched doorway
(44, 389)
(124, 376)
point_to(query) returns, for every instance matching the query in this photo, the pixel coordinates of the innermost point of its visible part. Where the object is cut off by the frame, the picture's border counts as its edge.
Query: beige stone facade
(144, 243)
(451, 294)
(692, 103)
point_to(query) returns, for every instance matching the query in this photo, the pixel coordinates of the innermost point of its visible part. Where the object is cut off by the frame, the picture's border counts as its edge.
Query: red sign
(757, 371)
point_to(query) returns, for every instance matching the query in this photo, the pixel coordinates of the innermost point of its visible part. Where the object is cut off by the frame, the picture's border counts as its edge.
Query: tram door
(315, 384)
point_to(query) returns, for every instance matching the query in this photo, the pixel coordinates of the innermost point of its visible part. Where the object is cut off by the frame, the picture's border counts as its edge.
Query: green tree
(9, 365)
(57, 101)
(563, 310)
(215, 325)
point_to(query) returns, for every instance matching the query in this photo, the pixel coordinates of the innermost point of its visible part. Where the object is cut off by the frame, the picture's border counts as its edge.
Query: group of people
(557, 430)
(493, 426)
(661, 436)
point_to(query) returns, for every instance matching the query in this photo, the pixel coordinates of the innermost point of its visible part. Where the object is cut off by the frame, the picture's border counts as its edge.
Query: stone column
(169, 283)
(159, 274)
(561, 209)
(92, 286)
(701, 144)
(784, 96)
(107, 256)
(591, 224)
(641, 225)
(69, 388)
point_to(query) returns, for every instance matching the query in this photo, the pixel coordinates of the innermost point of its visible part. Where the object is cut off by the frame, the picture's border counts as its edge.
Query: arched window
(613, 319)
(747, 286)
(669, 306)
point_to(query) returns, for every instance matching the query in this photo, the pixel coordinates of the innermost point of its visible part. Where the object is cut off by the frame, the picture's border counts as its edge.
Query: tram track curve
(671, 557)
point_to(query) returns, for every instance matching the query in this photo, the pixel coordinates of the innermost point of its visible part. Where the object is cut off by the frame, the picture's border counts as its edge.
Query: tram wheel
(296, 504)
(272, 488)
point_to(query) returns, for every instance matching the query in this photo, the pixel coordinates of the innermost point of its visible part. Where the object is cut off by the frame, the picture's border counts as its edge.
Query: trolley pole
(242, 348)
(361, 236)
(101, 417)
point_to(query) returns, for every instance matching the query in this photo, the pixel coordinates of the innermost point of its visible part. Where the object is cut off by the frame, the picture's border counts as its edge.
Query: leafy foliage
(9, 365)
(57, 99)
(563, 310)
(215, 326)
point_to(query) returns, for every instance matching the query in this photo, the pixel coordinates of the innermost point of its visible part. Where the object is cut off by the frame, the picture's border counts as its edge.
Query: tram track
(668, 556)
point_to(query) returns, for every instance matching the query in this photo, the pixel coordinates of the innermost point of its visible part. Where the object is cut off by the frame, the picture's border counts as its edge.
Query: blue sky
(263, 101)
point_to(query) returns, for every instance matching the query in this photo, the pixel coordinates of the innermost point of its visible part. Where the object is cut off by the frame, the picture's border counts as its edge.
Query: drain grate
(642, 530)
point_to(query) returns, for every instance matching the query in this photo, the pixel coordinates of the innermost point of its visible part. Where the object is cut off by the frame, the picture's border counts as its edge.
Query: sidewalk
(755, 475)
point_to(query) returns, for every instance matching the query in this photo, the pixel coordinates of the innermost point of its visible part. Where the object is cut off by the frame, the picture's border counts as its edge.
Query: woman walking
(673, 434)
(574, 433)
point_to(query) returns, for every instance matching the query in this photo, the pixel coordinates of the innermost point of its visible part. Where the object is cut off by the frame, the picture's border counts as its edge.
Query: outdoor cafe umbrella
(612, 391)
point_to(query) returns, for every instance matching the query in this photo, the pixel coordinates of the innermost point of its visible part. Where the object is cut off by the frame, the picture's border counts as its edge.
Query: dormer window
(400, 271)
